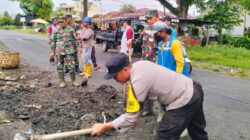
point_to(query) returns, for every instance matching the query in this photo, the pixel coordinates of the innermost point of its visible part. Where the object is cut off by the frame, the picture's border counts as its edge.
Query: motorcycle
(186, 59)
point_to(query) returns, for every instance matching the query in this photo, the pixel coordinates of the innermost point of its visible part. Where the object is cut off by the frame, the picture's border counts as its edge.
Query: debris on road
(2, 75)
(4, 118)
(33, 83)
(22, 77)
(50, 110)
(35, 106)
(11, 78)
(29, 132)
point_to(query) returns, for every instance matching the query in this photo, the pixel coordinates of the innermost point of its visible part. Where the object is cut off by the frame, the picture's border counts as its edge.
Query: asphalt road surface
(227, 99)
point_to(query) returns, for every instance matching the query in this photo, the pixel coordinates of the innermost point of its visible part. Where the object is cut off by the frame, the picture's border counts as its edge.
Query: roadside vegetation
(7, 23)
(28, 30)
(222, 58)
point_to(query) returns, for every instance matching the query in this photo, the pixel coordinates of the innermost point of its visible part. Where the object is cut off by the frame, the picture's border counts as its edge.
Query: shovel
(55, 135)
(61, 135)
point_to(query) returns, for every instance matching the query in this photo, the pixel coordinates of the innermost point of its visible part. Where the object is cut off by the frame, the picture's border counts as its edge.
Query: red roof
(96, 15)
(140, 12)
(168, 14)
(112, 13)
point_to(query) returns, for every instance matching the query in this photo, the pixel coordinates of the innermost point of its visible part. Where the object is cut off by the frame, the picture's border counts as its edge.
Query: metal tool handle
(62, 135)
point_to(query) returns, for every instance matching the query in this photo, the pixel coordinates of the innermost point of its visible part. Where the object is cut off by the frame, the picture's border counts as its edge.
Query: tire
(105, 46)
(189, 66)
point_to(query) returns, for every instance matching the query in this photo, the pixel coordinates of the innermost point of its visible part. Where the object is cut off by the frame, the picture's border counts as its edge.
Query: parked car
(111, 39)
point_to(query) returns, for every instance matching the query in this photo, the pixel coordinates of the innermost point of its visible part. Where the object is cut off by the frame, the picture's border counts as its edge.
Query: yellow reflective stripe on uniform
(164, 49)
(132, 105)
(163, 46)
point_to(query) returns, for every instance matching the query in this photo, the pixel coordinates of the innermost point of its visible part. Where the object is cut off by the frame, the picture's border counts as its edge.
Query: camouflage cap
(78, 20)
(61, 19)
(151, 13)
(68, 15)
(159, 26)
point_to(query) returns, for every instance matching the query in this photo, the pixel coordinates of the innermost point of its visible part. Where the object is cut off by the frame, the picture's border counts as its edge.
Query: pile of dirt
(61, 114)
(33, 99)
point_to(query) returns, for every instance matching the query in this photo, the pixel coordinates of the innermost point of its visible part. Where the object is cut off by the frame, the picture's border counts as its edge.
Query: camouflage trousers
(52, 56)
(65, 60)
(148, 54)
(76, 59)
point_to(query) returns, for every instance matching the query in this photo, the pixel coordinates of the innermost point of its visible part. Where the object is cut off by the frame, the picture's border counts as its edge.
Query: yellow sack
(132, 104)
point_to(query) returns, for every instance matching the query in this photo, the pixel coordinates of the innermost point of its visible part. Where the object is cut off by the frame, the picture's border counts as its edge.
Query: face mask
(158, 38)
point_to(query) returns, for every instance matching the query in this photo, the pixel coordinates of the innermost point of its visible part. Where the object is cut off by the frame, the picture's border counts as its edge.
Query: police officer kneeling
(182, 97)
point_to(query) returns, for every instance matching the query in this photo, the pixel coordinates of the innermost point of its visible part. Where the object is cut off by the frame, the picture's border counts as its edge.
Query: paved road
(227, 99)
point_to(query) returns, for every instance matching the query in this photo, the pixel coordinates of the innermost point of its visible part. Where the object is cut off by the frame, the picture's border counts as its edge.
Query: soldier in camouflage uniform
(149, 51)
(69, 21)
(150, 41)
(148, 48)
(64, 40)
(78, 24)
(78, 28)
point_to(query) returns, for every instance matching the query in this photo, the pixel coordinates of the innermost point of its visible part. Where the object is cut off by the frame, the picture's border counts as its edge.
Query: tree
(182, 8)
(86, 5)
(40, 8)
(225, 13)
(17, 21)
(6, 19)
(127, 7)
(57, 13)
(245, 4)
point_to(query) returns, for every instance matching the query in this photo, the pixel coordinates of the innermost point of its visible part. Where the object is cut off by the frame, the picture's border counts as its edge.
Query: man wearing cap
(87, 36)
(170, 53)
(64, 40)
(94, 27)
(69, 21)
(127, 38)
(167, 21)
(51, 31)
(149, 48)
(78, 28)
(181, 96)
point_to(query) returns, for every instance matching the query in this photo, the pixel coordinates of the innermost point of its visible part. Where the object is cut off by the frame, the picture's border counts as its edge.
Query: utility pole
(85, 8)
(164, 9)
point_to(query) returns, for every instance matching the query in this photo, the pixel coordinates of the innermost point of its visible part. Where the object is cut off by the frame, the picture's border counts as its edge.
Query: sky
(107, 5)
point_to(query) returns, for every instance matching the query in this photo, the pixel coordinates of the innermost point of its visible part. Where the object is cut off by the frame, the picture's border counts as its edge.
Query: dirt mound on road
(62, 115)
(49, 109)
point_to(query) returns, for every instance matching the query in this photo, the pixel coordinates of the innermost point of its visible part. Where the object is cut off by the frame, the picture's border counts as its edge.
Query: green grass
(221, 55)
(28, 30)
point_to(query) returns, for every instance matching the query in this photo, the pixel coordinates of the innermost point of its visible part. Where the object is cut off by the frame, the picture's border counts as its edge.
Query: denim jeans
(87, 55)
